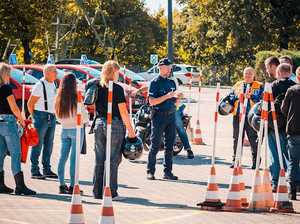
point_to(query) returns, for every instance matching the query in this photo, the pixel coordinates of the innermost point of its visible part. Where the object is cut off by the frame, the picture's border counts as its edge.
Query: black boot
(292, 191)
(3, 188)
(21, 187)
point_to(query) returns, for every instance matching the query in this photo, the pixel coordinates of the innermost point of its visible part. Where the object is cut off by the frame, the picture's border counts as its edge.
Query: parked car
(16, 81)
(181, 72)
(37, 70)
(75, 61)
(83, 73)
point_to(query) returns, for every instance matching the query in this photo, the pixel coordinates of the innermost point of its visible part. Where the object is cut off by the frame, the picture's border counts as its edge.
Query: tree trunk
(284, 39)
(27, 54)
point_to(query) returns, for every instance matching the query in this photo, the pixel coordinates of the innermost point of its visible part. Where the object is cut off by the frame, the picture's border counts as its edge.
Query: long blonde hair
(4, 70)
(108, 72)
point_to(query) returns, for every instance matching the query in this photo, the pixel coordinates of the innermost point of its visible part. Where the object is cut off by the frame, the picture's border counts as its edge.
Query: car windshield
(93, 72)
(133, 76)
(18, 76)
(60, 74)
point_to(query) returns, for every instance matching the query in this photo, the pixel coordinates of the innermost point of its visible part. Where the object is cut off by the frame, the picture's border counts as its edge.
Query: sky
(154, 5)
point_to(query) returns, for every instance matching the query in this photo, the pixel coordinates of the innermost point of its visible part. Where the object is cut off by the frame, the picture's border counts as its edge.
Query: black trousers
(251, 133)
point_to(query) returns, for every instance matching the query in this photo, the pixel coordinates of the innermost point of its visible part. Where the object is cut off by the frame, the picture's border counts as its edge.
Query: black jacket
(279, 89)
(291, 110)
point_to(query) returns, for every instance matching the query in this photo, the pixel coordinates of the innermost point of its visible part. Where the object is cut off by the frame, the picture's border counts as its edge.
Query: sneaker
(274, 188)
(70, 191)
(38, 176)
(190, 154)
(170, 176)
(98, 197)
(232, 165)
(63, 189)
(50, 174)
(150, 176)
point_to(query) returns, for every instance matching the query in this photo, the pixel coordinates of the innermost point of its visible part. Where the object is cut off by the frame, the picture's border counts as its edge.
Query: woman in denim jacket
(66, 110)
(9, 134)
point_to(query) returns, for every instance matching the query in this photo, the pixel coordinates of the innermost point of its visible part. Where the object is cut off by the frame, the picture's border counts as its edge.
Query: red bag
(29, 138)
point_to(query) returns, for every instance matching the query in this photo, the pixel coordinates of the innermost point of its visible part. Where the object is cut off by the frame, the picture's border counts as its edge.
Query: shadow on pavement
(146, 202)
(198, 160)
(65, 198)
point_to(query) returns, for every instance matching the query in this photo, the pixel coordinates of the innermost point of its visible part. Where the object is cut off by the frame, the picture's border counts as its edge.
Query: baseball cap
(164, 61)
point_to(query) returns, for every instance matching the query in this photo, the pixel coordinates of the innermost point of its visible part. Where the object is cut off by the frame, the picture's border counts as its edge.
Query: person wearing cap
(162, 98)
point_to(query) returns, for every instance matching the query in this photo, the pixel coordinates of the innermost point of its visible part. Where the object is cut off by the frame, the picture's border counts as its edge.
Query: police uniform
(256, 90)
(163, 123)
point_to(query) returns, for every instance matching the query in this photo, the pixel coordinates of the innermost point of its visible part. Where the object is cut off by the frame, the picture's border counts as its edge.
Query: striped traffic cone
(267, 187)
(242, 188)
(107, 211)
(257, 199)
(282, 203)
(212, 199)
(76, 216)
(197, 135)
(233, 202)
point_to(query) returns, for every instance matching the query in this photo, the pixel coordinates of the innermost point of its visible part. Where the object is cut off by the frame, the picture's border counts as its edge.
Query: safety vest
(256, 90)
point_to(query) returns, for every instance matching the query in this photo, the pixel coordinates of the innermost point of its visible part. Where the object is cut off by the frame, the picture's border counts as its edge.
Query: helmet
(254, 116)
(225, 108)
(132, 148)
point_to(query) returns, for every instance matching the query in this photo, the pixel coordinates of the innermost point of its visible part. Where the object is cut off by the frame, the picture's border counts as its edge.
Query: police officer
(162, 98)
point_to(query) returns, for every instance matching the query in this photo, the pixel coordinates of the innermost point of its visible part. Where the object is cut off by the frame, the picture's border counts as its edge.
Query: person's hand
(179, 94)
(171, 94)
(22, 122)
(131, 134)
(248, 95)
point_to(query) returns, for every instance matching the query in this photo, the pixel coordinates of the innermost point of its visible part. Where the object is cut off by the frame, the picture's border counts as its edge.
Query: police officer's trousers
(162, 126)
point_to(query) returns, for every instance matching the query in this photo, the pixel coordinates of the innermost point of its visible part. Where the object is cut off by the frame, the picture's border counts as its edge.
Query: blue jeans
(68, 143)
(117, 137)
(162, 124)
(10, 140)
(294, 156)
(274, 159)
(45, 124)
(180, 128)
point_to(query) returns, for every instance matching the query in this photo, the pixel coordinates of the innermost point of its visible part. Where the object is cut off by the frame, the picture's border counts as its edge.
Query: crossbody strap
(45, 96)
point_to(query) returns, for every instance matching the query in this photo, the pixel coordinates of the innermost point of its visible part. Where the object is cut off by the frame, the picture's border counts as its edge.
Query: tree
(22, 20)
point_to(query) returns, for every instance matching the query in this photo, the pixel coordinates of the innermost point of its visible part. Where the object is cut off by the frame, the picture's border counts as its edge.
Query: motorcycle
(142, 121)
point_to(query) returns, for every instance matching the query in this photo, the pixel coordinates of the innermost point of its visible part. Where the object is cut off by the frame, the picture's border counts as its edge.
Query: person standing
(162, 98)
(66, 111)
(288, 60)
(271, 64)
(9, 134)
(279, 89)
(41, 107)
(291, 110)
(120, 122)
(254, 96)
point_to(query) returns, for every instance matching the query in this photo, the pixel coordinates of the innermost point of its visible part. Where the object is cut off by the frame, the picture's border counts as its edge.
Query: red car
(16, 84)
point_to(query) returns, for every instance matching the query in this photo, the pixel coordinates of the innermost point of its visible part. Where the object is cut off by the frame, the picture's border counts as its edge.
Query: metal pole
(170, 30)
(56, 39)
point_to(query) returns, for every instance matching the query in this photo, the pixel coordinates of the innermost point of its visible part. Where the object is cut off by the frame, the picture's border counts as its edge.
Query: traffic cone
(267, 187)
(257, 199)
(242, 188)
(233, 202)
(76, 216)
(197, 135)
(282, 203)
(107, 211)
(212, 199)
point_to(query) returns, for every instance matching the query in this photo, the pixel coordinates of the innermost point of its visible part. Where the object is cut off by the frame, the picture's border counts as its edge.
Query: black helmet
(132, 148)
(225, 108)
(254, 116)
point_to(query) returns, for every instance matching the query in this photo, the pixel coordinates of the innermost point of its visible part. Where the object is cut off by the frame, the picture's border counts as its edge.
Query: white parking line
(13, 221)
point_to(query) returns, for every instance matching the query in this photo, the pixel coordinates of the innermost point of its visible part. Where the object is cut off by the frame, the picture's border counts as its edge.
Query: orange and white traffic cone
(267, 187)
(242, 188)
(197, 140)
(282, 203)
(212, 199)
(107, 211)
(257, 199)
(233, 202)
(76, 216)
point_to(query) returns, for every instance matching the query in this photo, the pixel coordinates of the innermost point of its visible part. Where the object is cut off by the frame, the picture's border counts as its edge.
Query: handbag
(29, 138)
(91, 94)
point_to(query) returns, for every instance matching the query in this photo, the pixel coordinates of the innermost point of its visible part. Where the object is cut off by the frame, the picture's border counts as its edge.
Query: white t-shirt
(51, 94)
